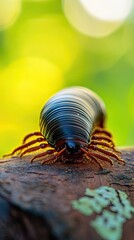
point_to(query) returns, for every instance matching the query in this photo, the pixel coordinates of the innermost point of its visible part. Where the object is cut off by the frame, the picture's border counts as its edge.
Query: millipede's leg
(98, 155)
(43, 154)
(92, 158)
(101, 137)
(33, 149)
(96, 160)
(48, 152)
(102, 131)
(50, 160)
(20, 148)
(105, 151)
(31, 135)
(105, 145)
(102, 143)
(55, 157)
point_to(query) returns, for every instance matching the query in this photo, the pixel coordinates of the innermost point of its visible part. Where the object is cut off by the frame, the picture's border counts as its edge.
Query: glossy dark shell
(71, 114)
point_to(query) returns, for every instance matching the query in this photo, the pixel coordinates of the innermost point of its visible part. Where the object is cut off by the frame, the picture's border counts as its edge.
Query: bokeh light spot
(9, 11)
(111, 10)
(90, 20)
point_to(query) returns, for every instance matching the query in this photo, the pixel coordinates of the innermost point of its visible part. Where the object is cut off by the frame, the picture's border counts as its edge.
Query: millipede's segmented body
(71, 115)
(72, 130)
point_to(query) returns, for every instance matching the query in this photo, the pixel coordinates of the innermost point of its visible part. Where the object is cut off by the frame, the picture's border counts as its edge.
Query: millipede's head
(72, 146)
(72, 149)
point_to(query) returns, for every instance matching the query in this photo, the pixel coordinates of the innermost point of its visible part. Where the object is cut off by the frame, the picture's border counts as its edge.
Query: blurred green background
(46, 45)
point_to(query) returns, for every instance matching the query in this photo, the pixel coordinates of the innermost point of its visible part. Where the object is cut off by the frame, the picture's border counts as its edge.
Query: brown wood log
(35, 199)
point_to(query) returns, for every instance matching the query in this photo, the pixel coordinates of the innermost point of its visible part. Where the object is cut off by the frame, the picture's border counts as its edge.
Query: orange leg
(20, 148)
(98, 155)
(101, 137)
(101, 143)
(33, 149)
(104, 138)
(53, 158)
(92, 158)
(43, 154)
(32, 134)
(107, 152)
(102, 131)
(96, 160)
(105, 145)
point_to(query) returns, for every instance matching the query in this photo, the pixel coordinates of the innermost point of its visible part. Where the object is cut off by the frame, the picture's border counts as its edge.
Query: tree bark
(35, 199)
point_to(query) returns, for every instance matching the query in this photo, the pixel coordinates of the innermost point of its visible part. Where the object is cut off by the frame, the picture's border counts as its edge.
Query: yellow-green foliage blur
(46, 45)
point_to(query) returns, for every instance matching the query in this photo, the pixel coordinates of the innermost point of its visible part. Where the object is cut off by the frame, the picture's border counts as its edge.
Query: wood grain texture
(35, 199)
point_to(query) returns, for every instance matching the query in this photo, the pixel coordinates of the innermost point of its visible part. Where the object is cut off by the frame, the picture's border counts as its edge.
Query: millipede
(72, 129)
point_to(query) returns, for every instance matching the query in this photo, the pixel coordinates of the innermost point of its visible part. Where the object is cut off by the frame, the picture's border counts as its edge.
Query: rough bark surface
(35, 199)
